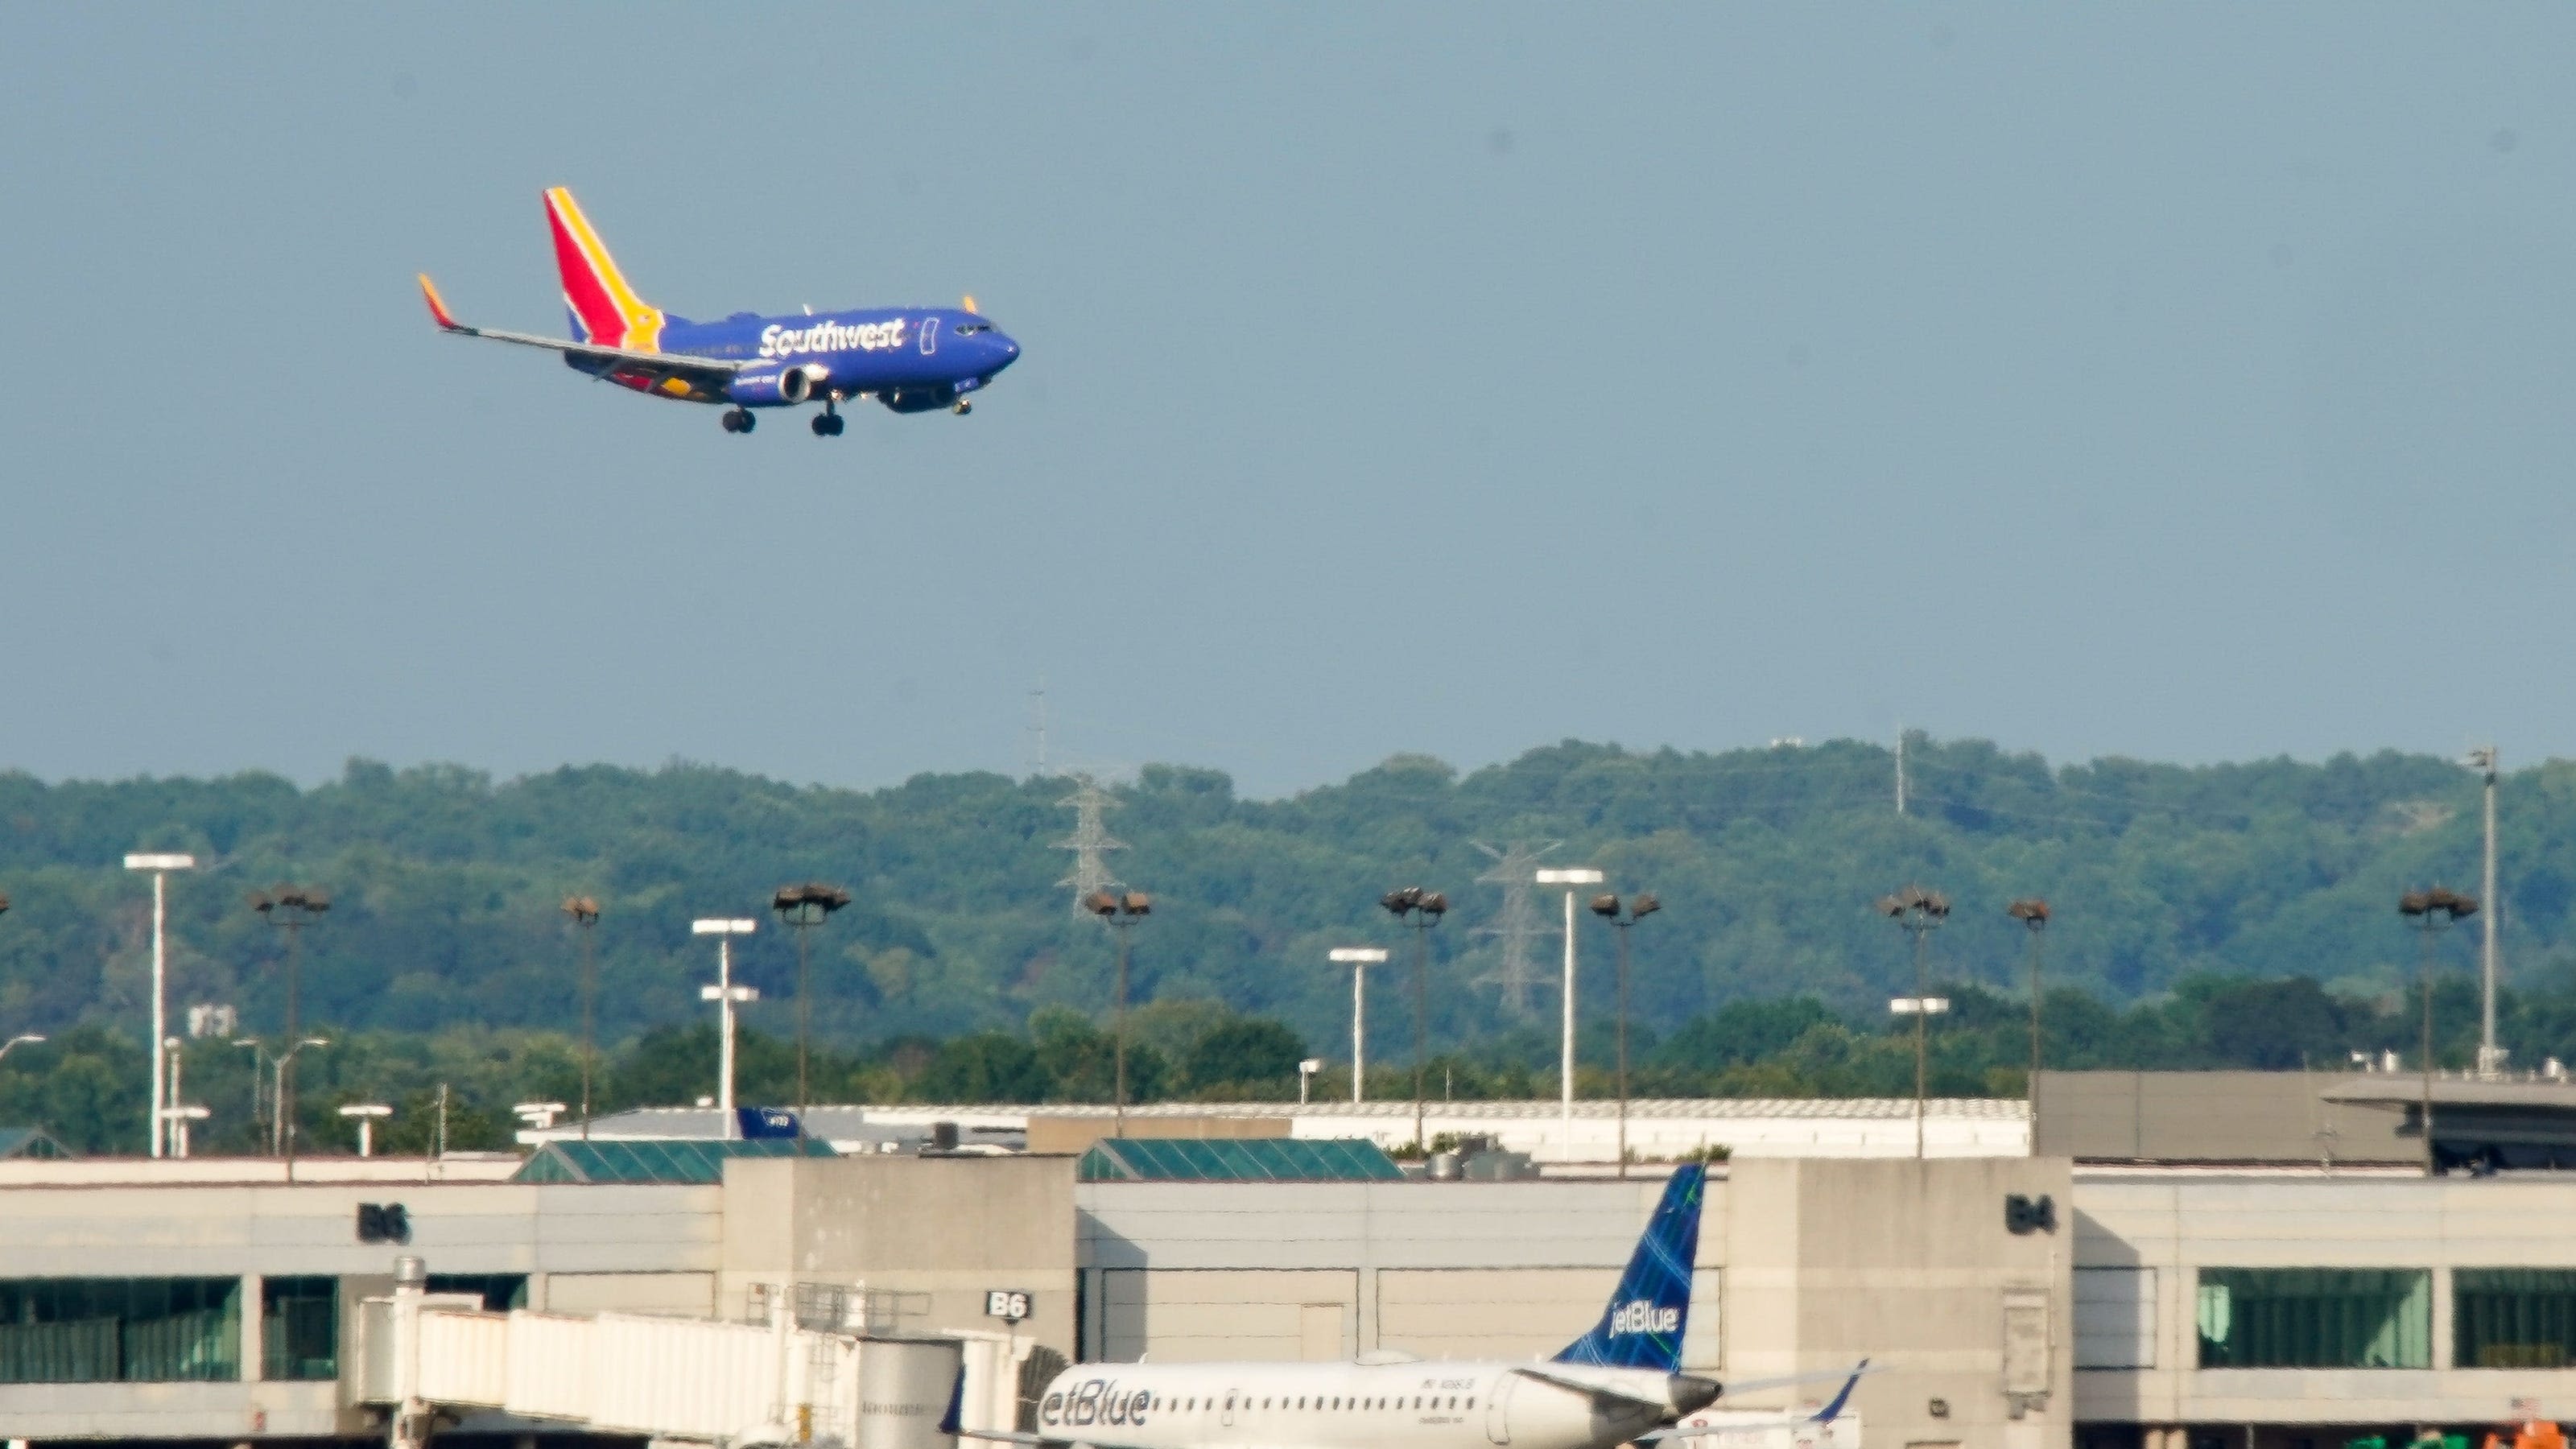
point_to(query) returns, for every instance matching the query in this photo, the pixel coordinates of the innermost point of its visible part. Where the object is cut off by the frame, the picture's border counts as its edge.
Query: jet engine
(787, 385)
(918, 399)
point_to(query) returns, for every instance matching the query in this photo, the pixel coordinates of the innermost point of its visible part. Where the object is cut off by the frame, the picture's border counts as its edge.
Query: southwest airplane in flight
(1620, 1383)
(912, 359)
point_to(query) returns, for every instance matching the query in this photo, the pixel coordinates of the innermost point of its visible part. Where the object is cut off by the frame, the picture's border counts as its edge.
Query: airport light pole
(800, 909)
(367, 1115)
(284, 1093)
(181, 1116)
(258, 1068)
(584, 914)
(2490, 1056)
(163, 1094)
(727, 997)
(1359, 959)
(2431, 911)
(1918, 912)
(289, 907)
(1119, 913)
(1568, 877)
(1418, 910)
(1607, 908)
(2032, 912)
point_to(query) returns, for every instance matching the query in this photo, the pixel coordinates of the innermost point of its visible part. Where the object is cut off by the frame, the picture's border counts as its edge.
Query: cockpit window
(969, 329)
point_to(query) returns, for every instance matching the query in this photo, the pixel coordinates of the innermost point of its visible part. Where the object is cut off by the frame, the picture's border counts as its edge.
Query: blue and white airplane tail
(1642, 1327)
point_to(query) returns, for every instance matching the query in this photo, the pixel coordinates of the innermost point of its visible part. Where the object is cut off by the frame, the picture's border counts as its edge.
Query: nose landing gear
(739, 420)
(961, 407)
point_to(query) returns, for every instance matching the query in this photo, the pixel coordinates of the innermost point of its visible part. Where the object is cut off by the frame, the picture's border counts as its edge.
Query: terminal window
(119, 1330)
(500, 1292)
(299, 1328)
(2510, 1318)
(2316, 1318)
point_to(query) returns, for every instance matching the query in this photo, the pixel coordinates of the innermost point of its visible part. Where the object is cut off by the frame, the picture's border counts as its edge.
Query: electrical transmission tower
(1520, 923)
(1090, 841)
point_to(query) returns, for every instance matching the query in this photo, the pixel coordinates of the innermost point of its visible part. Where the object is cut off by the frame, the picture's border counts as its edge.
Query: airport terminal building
(2111, 1284)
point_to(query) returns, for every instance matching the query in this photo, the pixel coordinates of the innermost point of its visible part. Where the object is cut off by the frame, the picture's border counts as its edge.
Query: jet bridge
(812, 1373)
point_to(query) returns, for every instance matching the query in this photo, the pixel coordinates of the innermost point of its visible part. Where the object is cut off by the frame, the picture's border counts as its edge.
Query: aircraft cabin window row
(1192, 1404)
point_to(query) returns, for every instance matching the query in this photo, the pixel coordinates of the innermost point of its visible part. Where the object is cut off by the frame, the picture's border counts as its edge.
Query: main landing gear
(829, 422)
(739, 420)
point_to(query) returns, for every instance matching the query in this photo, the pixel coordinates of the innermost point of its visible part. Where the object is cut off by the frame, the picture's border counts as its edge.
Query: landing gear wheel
(962, 408)
(739, 420)
(838, 423)
(823, 425)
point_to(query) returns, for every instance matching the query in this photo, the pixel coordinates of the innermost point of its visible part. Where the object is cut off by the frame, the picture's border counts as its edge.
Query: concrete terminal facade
(2016, 1301)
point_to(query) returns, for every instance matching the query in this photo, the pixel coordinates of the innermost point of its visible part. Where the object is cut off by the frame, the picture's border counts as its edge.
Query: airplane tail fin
(604, 308)
(1642, 1327)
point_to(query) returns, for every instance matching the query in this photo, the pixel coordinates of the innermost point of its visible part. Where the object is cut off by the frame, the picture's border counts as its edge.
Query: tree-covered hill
(446, 885)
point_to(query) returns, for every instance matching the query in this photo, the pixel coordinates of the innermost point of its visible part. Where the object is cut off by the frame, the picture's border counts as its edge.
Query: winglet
(951, 1421)
(438, 309)
(1824, 1415)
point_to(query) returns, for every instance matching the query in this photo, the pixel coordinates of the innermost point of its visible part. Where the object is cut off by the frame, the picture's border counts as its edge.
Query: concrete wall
(1074, 1135)
(947, 1228)
(2245, 1117)
(1504, 1270)
(1912, 1264)
(2172, 1224)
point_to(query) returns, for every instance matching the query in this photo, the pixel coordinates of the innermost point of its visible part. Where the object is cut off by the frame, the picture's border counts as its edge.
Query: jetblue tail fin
(954, 1419)
(1642, 1327)
(604, 308)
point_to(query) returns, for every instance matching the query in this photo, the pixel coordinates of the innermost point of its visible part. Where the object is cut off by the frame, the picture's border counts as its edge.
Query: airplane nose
(1010, 349)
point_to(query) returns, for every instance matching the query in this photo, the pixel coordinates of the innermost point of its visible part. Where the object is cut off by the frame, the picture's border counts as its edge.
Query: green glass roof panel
(1252, 1159)
(680, 1160)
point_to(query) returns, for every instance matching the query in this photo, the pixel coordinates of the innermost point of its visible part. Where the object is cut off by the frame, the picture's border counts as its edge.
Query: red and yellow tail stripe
(601, 301)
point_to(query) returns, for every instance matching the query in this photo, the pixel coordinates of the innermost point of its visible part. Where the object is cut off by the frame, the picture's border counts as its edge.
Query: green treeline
(445, 948)
(87, 1087)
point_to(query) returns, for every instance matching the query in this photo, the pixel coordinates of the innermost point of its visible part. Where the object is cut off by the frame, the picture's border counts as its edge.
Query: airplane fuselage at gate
(1409, 1405)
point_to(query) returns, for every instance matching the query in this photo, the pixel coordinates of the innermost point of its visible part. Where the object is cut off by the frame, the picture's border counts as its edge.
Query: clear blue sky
(2184, 381)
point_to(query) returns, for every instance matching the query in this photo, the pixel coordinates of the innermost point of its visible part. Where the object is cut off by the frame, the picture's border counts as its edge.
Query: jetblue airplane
(912, 359)
(1620, 1383)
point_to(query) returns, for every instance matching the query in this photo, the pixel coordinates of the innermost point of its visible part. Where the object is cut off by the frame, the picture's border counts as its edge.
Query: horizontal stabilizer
(1851, 1378)
(1569, 1378)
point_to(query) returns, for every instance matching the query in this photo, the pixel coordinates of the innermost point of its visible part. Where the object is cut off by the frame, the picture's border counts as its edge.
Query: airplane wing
(709, 373)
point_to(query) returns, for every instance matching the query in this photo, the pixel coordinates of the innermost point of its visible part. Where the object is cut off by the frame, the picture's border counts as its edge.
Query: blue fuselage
(911, 359)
